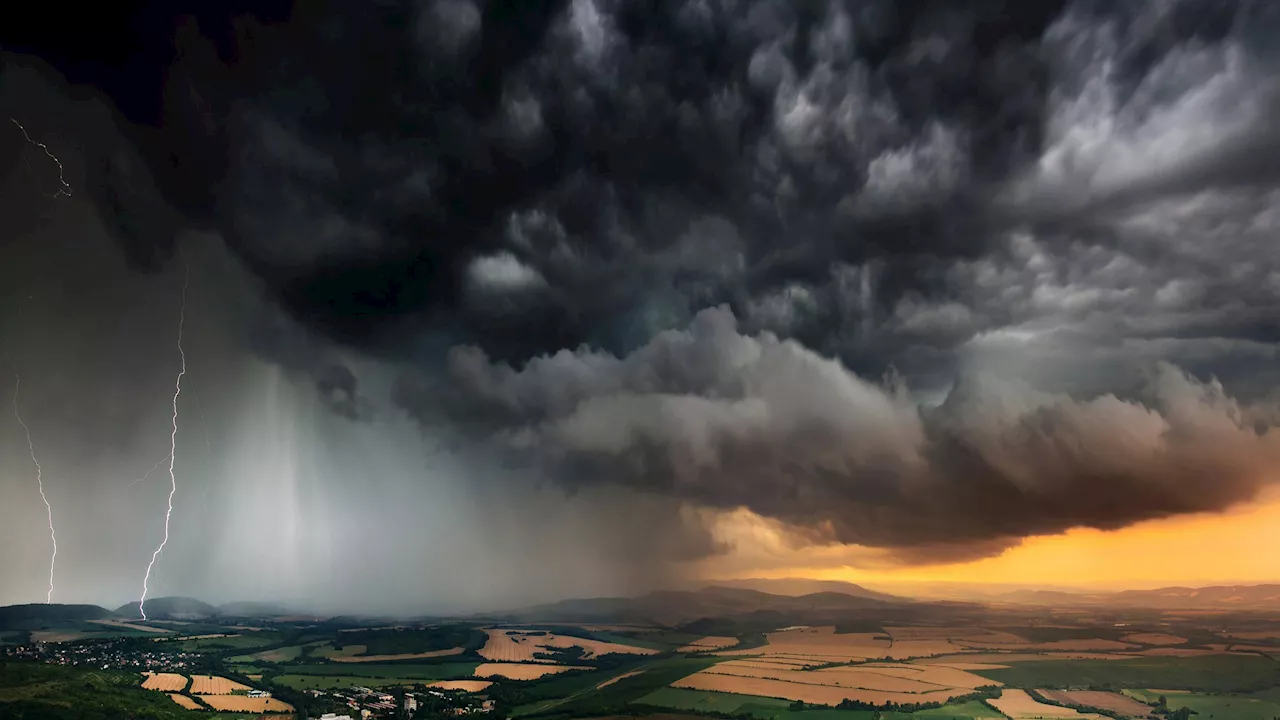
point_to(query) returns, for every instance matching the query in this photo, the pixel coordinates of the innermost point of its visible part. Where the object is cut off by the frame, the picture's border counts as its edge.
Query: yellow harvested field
(945, 675)
(1115, 702)
(54, 636)
(254, 677)
(711, 642)
(470, 686)
(818, 694)
(819, 645)
(1000, 658)
(1092, 644)
(1179, 652)
(185, 701)
(241, 703)
(962, 633)
(886, 677)
(520, 671)
(521, 646)
(1254, 635)
(1018, 705)
(164, 682)
(125, 625)
(1154, 639)
(383, 658)
(613, 680)
(214, 685)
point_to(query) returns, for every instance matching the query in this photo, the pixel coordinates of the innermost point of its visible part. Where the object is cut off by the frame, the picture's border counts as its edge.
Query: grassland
(30, 691)
(1255, 706)
(1214, 673)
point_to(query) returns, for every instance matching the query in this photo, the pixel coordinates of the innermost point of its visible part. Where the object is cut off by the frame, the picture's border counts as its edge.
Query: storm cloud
(728, 420)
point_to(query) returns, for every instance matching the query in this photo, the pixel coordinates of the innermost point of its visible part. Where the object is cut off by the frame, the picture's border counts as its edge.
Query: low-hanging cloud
(728, 420)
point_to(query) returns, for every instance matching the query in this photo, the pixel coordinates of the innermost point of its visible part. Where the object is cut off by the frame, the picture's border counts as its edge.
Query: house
(259, 694)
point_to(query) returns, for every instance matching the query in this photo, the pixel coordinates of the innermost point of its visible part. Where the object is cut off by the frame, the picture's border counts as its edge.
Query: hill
(41, 616)
(1214, 597)
(805, 586)
(676, 607)
(169, 608)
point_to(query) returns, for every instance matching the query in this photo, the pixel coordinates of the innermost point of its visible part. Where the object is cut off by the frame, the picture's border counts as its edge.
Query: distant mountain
(40, 616)
(169, 608)
(674, 607)
(1216, 597)
(805, 586)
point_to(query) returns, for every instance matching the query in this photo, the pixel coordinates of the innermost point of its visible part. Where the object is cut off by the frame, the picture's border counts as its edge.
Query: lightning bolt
(65, 190)
(173, 445)
(147, 475)
(17, 384)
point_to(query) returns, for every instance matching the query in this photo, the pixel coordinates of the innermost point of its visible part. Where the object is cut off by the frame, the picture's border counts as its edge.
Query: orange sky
(1242, 545)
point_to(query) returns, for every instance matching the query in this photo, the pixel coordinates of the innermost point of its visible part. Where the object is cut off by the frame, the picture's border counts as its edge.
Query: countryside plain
(724, 652)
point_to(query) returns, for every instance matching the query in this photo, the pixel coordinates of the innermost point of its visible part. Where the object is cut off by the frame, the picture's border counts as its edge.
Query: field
(164, 682)
(390, 658)
(772, 709)
(437, 671)
(505, 645)
(214, 685)
(711, 642)
(1154, 639)
(471, 686)
(817, 694)
(335, 682)
(1259, 706)
(1019, 705)
(240, 703)
(277, 655)
(521, 671)
(1218, 673)
(185, 701)
(1114, 702)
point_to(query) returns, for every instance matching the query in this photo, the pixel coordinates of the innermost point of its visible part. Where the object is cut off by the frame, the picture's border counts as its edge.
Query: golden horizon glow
(1233, 547)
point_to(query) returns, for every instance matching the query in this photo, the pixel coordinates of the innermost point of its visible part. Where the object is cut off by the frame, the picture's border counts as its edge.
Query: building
(331, 716)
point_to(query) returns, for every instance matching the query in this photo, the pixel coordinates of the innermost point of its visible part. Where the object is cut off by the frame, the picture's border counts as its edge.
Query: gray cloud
(729, 420)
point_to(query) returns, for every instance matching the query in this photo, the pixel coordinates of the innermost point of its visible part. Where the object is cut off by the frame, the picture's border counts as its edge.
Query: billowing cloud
(728, 420)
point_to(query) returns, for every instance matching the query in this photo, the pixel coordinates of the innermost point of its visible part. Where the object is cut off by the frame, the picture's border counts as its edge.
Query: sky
(486, 304)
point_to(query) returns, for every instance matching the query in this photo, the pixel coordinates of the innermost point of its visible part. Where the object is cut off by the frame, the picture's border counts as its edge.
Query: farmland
(946, 665)
(505, 645)
(164, 682)
(240, 703)
(1019, 705)
(214, 685)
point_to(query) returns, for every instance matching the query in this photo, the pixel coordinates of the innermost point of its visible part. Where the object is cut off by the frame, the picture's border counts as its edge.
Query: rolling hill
(38, 616)
(169, 608)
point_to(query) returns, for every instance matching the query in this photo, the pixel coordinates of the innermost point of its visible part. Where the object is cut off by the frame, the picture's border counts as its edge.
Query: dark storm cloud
(729, 420)
(510, 201)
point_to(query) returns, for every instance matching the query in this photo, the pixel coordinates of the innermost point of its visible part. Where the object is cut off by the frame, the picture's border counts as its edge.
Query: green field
(611, 699)
(409, 641)
(420, 671)
(246, 641)
(683, 699)
(1258, 706)
(334, 682)
(1213, 673)
(277, 655)
(774, 709)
